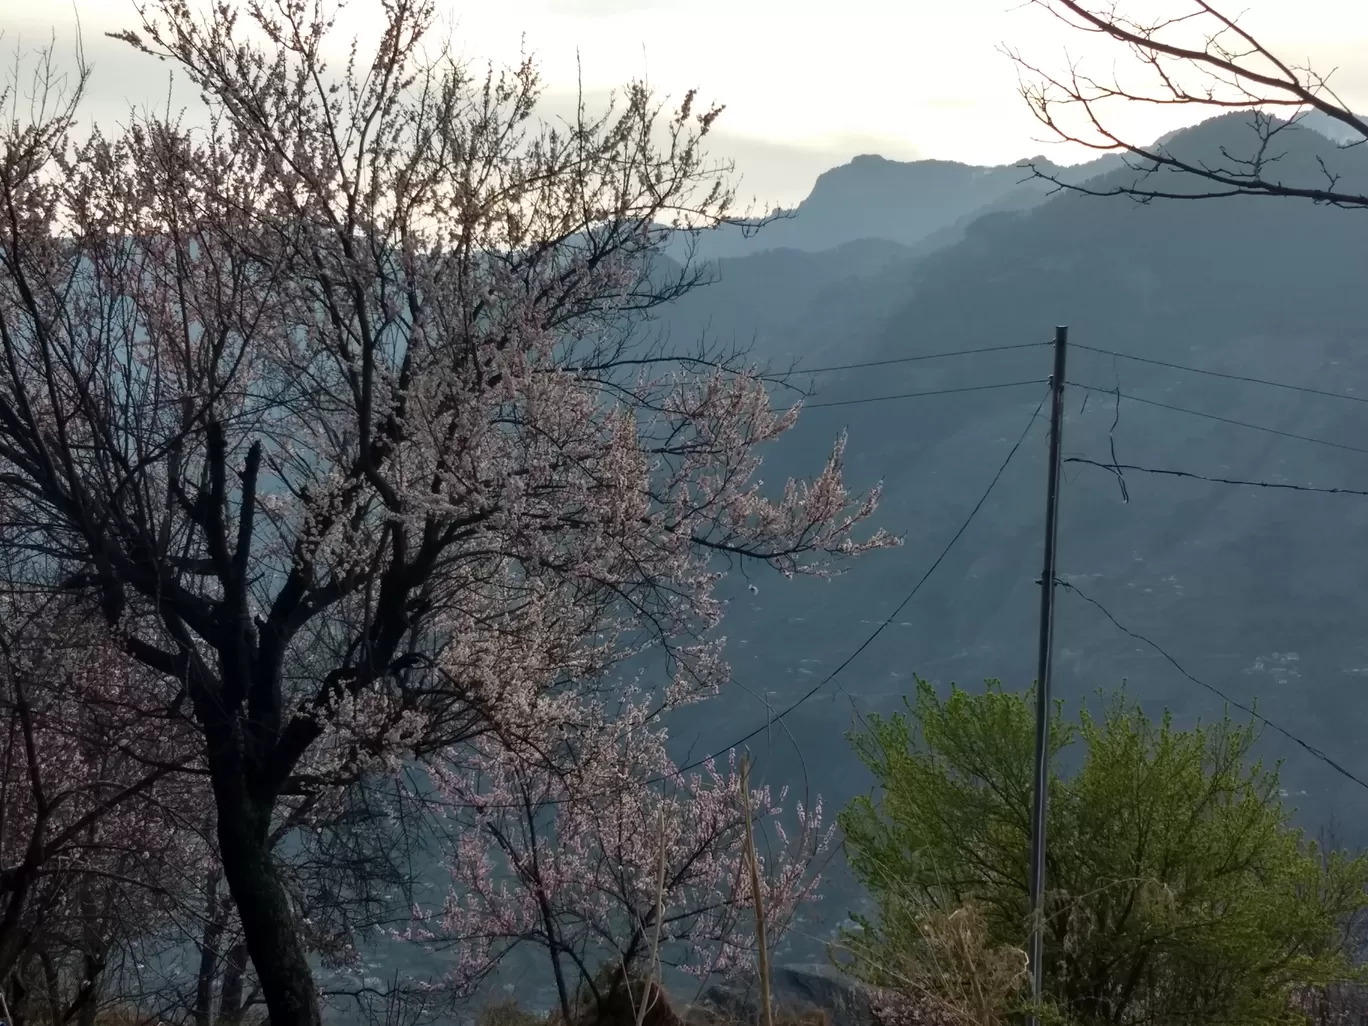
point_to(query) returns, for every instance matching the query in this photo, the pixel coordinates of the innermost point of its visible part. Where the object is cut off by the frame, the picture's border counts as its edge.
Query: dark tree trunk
(269, 926)
(19, 991)
(14, 936)
(553, 945)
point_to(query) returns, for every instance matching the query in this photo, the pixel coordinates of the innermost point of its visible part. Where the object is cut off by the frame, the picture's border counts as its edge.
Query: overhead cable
(1300, 742)
(1217, 417)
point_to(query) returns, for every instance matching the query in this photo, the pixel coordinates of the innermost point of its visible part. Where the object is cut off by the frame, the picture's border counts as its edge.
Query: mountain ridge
(871, 196)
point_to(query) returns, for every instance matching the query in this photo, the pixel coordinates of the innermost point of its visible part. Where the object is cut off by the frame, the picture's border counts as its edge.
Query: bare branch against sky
(1203, 60)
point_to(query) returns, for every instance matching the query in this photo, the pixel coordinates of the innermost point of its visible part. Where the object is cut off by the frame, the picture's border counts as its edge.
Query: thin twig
(654, 985)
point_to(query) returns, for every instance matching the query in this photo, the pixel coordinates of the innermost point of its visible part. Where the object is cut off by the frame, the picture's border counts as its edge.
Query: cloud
(807, 85)
(767, 171)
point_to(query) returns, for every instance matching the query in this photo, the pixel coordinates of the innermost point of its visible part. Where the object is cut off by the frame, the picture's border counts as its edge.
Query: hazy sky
(807, 84)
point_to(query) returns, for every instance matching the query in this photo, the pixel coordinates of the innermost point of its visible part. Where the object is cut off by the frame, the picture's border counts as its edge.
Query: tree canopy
(334, 414)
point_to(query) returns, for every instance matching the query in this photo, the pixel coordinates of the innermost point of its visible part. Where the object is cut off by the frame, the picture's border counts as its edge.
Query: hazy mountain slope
(1031, 193)
(1332, 129)
(1229, 580)
(901, 201)
(779, 304)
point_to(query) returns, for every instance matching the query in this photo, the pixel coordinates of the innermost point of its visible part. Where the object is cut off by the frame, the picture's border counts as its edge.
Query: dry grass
(508, 1013)
(957, 976)
(646, 1003)
(783, 1015)
(118, 1014)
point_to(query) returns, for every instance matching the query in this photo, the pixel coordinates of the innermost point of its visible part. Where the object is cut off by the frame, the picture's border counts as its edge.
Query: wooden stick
(766, 1013)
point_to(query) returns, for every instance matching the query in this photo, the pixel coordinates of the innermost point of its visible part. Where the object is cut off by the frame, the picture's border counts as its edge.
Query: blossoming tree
(94, 808)
(335, 411)
(599, 850)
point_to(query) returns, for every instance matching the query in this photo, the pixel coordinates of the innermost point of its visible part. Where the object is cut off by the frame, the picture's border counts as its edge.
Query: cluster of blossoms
(585, 839)
(101, 819)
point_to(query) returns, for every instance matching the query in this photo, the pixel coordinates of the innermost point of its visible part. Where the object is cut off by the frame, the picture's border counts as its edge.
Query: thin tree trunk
(87, 1011)
(95, 943)
(234, 975)
(216, 918)
(52, 983)
(268, 922)
(553, 944)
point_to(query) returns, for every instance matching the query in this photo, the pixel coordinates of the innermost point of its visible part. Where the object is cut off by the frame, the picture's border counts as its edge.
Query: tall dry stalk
(654, 986)
(766, 1012)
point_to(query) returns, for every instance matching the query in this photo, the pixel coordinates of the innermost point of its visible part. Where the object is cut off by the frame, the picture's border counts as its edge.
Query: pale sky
(807, 84)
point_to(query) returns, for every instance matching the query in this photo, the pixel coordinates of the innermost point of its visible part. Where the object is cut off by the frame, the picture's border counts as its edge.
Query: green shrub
(1177, 889)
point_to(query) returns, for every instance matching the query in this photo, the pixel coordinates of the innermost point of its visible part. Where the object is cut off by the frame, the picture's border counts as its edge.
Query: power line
(890, 361)
(1225, 374)
(1310, 748)
(893, 615)
(1223, 420)
(778, 376)
(919, 395)
(914, 359)
(1114, 467)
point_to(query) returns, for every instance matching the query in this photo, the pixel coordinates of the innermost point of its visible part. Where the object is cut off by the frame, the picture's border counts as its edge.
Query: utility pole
(1042, 739)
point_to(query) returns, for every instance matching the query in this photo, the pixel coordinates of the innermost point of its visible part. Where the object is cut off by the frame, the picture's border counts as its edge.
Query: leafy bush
(1177, 889)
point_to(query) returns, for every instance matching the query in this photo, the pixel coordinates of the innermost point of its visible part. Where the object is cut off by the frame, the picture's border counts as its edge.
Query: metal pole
(1042, 741)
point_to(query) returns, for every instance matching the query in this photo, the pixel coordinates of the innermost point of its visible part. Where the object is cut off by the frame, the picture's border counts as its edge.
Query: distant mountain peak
(903, 201)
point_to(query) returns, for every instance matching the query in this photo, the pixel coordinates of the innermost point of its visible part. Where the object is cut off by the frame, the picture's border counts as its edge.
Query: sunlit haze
(807, 85)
